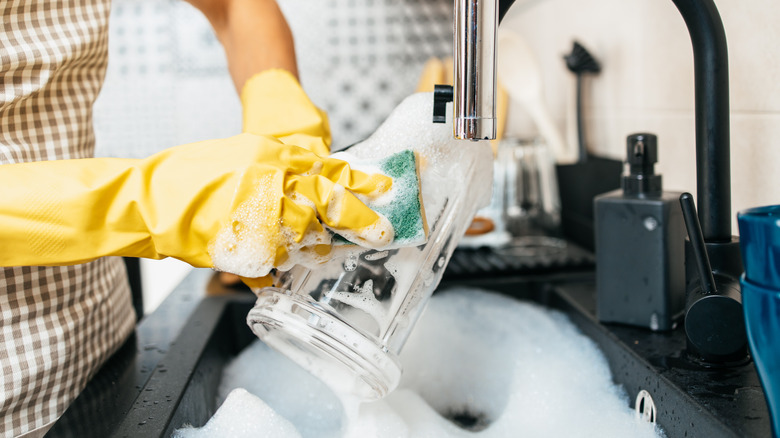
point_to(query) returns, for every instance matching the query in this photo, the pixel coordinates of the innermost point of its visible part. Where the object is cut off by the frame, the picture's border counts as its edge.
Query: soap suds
(251, 243)
(454, 180)
(248, 245)
(242, 415)
(478, 364)
(402, 204)
(362, 297)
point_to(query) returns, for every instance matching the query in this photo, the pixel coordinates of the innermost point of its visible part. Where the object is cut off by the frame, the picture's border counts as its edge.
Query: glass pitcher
(347, 320)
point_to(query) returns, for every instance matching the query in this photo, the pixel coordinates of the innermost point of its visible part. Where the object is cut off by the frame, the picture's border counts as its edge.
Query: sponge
(402, 205)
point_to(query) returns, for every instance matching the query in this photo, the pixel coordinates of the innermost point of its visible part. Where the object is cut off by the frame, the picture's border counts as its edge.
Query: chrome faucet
(474, 87)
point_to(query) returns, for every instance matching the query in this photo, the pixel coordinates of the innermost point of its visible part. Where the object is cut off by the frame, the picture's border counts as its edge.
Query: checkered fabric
(57, 324)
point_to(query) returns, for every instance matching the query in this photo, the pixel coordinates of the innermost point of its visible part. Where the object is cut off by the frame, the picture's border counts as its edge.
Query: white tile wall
(647, 82)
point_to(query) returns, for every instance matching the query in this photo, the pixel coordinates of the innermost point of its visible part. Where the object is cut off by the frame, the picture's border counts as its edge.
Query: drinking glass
(347, 321)
(531, 203)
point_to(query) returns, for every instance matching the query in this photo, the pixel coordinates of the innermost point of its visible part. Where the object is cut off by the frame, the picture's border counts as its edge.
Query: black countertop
(109, 396)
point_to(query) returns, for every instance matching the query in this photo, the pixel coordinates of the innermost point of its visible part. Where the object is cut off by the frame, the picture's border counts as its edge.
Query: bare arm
(255, 36)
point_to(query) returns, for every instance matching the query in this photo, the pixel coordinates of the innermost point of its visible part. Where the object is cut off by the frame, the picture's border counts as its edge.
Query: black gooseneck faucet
(714, 322)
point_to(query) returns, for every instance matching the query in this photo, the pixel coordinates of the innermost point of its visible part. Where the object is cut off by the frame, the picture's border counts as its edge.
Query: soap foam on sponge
(402, 205)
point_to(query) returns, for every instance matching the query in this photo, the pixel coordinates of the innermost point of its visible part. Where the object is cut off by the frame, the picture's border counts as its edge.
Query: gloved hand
(205, 203)
(243, 204)
(274, 104)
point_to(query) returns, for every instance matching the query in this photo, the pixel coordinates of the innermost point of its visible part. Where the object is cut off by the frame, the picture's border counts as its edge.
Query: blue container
(762, 317)
(759, 239)
(759, 235)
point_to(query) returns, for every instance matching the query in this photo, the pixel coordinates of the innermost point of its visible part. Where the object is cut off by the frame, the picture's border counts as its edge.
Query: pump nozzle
(642, 153)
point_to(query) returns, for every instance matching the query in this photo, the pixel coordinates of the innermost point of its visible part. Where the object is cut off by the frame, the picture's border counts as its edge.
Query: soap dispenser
(640, 245)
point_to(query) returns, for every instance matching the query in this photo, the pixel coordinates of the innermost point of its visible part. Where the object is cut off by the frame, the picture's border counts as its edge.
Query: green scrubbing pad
(406, 212)
(402, 205)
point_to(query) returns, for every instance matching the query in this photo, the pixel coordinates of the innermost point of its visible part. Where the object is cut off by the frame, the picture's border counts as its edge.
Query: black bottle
(640, 245)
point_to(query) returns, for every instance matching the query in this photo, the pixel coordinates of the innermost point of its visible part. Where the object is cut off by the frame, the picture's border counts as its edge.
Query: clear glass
(488, 228)
(347, 320)
(524, 214)
(531, 201)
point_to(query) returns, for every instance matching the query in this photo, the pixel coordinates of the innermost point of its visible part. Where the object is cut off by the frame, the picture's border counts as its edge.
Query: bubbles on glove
(316, 169)
(247, 245)
(256, 240)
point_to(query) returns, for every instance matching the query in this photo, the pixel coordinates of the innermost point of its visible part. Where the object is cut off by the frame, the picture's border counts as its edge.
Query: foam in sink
(478, 364)
(254, 418)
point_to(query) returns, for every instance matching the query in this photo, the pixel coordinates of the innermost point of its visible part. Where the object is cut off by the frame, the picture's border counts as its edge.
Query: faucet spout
(474, 79)
(474, 87)
(711, 74)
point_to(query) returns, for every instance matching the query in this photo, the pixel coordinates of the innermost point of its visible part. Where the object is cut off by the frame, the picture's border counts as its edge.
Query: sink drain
(645, 407)
(471, 421)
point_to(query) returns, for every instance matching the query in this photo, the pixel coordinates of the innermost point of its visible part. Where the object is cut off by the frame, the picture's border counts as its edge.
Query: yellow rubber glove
(311, 131)
(210, 203)
(275, 105)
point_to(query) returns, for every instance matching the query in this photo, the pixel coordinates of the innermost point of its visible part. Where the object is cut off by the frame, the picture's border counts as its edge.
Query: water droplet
(650, 223)
(654, 324)
(376, 256)
(350, 264)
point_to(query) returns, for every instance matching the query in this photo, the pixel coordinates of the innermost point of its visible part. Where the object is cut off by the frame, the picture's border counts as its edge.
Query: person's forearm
(255, 36)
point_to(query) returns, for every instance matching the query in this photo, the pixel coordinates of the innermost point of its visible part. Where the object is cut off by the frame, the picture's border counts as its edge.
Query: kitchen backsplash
(646, 83)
